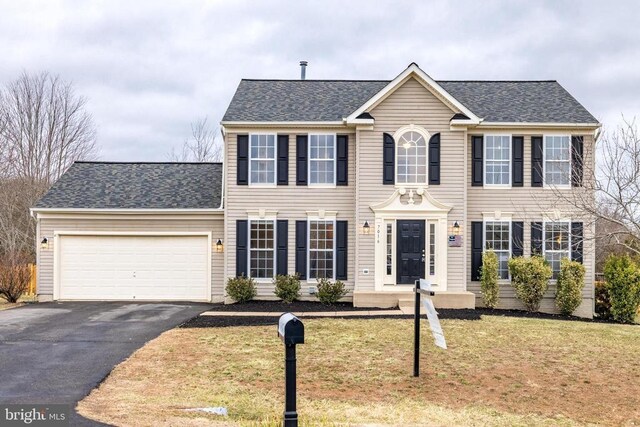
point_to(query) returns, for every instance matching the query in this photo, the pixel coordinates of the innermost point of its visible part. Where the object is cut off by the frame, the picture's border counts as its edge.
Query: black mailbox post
(291, 332)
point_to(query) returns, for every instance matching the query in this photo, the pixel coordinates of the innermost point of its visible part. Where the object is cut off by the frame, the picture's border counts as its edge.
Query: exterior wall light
(44, 244)
(219, 246)
(456, 228)
(366, 228)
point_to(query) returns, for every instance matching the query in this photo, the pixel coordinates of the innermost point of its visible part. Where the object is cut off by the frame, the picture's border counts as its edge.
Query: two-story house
(375, 183)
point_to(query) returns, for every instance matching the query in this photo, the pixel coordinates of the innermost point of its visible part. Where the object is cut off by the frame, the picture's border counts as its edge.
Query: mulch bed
(306, 306)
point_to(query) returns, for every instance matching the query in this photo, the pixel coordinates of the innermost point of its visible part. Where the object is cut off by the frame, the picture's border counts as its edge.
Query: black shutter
(476, 249)
(282, 240)
(283, 159)
(342, 167)
(241, 247)
(517, 155)
(536, 161)
(389, 160)
(536, 238)
(243, 160)
(301, 249)
(341, 249)
(577, 150)
(434, 160)
(577, 241)
(517, 238)
(476, 161)
(301, 160)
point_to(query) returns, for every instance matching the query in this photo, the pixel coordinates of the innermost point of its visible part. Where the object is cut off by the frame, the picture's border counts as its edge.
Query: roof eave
(276, 124)
(127, 211)
(550, 125)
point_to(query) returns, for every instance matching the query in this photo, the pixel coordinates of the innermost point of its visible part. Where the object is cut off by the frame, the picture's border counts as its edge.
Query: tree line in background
(44, 128)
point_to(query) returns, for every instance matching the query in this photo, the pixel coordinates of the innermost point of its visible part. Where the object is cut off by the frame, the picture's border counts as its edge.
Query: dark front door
(410, 251)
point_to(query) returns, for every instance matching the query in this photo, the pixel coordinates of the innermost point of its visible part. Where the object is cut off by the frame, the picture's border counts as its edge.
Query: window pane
(261, 249)
(262, 152)
(556, 244)
(320, 249)
(321, 159)
(498, 238)
(412, 159)
(498, 159)
(557, 156)
(389, 249)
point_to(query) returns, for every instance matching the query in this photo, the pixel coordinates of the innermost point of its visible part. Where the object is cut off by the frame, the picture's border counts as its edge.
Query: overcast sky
(149, 68)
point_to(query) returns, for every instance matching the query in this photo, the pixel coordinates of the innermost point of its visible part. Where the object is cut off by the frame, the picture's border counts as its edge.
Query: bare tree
(202, 146)
(44, 127)
(610, 193)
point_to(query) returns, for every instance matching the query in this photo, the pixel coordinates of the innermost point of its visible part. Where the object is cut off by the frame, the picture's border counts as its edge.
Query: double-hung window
(321, 249)
(557, 244)
(557, 160)
(322, 159)
(497, 237)
(497, 160)
(261, 249)
(262, 154)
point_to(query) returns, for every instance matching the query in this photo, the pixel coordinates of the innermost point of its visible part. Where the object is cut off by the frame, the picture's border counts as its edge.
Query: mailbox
(290, 329)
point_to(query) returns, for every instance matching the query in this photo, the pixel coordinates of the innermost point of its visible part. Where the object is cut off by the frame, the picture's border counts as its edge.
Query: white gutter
(539, 125)
(126, 211)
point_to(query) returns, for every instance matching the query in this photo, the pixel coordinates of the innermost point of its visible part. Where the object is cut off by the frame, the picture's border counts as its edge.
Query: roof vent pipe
(303, 70)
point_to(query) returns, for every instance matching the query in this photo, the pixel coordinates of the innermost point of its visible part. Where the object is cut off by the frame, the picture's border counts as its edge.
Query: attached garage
(133, 267)
(112, 231)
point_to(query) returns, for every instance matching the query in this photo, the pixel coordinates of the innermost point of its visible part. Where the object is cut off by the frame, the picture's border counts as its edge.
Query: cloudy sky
(150, 68)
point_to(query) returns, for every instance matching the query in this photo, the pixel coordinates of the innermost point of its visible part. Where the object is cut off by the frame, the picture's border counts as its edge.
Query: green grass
(497, 371)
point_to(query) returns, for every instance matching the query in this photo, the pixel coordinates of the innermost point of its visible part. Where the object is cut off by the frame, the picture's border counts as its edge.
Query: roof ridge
(144, 163)
(497, 81)
(317, 80)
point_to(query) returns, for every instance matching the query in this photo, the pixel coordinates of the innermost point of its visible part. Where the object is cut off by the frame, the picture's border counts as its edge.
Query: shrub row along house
(374, 183)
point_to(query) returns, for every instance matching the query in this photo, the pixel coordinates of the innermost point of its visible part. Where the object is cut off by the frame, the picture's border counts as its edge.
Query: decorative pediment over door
(411, 200)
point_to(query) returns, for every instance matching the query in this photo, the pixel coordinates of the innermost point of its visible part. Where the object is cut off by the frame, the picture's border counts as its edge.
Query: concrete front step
(447, 299)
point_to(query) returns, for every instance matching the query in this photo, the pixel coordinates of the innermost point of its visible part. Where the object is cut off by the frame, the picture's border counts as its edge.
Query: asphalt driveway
(58, 352)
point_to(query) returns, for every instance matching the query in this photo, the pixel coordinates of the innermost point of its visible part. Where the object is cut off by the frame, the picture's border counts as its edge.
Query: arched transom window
(411, 149)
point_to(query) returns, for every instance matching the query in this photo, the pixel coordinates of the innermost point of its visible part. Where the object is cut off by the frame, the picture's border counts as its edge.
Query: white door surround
(410, 203)
(106, 265)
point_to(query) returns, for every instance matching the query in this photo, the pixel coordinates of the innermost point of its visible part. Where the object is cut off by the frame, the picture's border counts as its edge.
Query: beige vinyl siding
(291, 202)
(528, 204)
(48, 226)
(411, 103)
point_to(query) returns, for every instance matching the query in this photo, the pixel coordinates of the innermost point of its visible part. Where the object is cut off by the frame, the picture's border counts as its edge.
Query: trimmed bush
(287, 287)
(489, 279)
(241, 289)
(622, 275)
(330, 293)
(569, 286)
(530, 279)
(602, 303)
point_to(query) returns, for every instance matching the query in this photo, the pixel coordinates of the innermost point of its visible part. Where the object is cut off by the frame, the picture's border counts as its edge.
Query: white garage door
(133, 267)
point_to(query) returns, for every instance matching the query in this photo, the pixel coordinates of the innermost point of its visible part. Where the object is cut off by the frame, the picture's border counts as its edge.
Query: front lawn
(498, 371)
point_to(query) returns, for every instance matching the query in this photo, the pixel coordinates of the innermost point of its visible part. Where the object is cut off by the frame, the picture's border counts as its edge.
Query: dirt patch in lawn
(498, 371)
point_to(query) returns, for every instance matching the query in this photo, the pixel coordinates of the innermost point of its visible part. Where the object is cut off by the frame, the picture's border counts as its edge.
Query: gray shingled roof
(331, 100)
(105, 185)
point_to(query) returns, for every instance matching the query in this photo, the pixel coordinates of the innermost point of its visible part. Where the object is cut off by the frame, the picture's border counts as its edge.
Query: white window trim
(498, 218)
(484, 162)
(544, 237)
(331, 219)
(275, 160)
(544, 161)
(396, 138)
(275, 247)
(335, 161)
